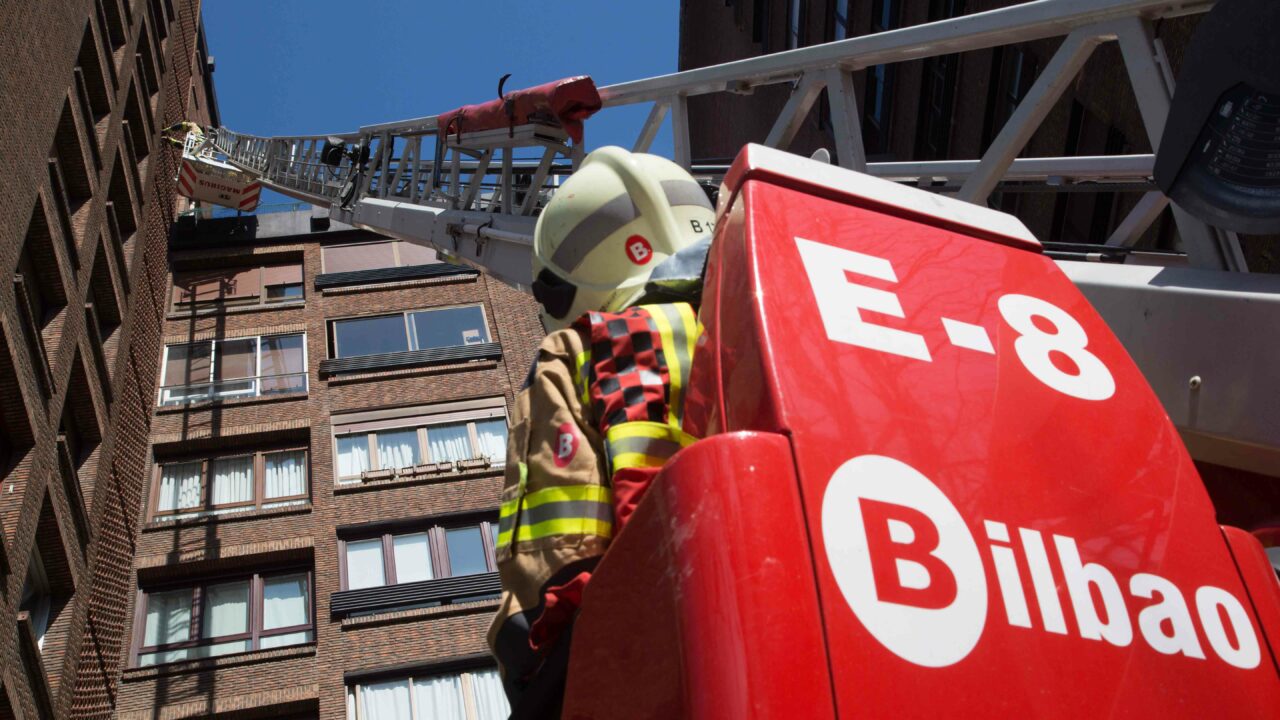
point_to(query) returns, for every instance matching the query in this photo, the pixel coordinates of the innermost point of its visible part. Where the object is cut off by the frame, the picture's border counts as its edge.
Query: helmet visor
(554, 293)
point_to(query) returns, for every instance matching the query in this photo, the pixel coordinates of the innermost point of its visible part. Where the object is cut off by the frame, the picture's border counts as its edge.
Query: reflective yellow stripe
(567, 493)
(644, 444)
(507, 514)
(674, 361)
(565, 526)
(586, 520)
(678, 327)
(581, 376)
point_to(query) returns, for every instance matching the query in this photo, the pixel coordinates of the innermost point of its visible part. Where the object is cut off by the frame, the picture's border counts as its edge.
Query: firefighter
(618, 258)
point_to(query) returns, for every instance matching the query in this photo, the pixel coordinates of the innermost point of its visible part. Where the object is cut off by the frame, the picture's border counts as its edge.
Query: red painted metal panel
(705, 605)
(1004, 521)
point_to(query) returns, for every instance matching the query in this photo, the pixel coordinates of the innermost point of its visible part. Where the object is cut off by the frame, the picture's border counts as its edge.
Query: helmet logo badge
(639, 251)
(566, 444)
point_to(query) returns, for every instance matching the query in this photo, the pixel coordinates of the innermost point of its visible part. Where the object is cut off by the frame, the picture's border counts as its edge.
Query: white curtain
(493, 439)
(397, 449)
(226, 609)
(284, 602)
(413, 558)
(385, 701)
(179, 487)
(449, 443)
(491, 699)
(440, 698)
(168, 617)
(232, 480)
(364, 564)
(286, 474)
(353, 455)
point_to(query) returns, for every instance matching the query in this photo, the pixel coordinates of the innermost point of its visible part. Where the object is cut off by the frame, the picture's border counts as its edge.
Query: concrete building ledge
(201, 433)
(229, 402)
(227, 334)
(399, 285)
(167, 524)
(407, 481)
(211, 550)
(438, 611)
(236, 310)
(214, 663)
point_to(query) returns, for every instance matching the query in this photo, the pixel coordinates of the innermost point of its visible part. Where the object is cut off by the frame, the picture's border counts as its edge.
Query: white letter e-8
(839, 300)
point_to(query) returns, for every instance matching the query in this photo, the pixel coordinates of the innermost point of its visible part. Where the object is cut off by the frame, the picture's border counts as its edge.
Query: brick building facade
(85, 208)
(326, 451)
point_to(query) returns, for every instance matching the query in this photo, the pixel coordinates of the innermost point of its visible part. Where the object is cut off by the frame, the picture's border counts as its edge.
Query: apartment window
(417, 553)
(937, 96)
(37, 597)
(238, 367)
(230, 483)
(375, 255)
(795, 29)
(418, 444)
(224, 616)
(879, 85)
(415, 330)
(473, 695)
(258, 285)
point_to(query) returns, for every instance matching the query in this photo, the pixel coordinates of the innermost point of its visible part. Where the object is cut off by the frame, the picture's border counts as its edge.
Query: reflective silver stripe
(653, 447)
(506, 523)
(605, 221)
(593, 229)
(685, 192)
(567, 509)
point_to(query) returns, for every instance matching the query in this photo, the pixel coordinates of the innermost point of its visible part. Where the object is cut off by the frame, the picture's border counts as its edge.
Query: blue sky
(295, 67)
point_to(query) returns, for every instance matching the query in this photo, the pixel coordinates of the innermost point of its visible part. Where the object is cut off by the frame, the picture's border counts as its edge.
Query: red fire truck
(932, 482)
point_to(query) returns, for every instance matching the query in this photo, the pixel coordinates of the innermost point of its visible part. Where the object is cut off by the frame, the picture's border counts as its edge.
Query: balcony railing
(411, 358)
(251, 387)
(425, 593)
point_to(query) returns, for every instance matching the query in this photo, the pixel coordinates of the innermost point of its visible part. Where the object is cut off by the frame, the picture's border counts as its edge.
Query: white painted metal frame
(458, 191)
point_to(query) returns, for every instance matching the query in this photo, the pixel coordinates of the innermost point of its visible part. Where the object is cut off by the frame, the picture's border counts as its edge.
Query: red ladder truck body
(932, 483)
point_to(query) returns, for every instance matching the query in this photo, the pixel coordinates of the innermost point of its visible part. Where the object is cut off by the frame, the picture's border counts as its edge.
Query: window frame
(409, 330)
(436, 530)
(254, 621)
(395, 254)
(207, 508)
(468, 700)
(211, 395)
(260, 300)
(422, 424)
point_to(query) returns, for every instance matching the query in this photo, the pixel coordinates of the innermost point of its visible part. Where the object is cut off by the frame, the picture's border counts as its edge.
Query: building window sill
(435, 612)
(183, 667)
(416, 595)
(228, 402)
(382, 276)
(355, 486)
(205, 518)
(234, 309)
(411, 359)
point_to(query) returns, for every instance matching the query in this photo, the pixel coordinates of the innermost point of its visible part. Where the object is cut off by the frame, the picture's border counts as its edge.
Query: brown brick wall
(76, 259)
(190, 549)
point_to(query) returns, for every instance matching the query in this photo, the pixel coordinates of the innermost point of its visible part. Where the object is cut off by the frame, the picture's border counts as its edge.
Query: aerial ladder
(957, 516)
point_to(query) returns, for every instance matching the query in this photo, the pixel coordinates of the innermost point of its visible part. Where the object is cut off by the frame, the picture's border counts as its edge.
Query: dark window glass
(466, 551)
(370, 336)
(449, 327)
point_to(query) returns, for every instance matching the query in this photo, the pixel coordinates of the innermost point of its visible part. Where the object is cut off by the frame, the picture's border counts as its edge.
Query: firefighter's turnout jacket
(597, 417)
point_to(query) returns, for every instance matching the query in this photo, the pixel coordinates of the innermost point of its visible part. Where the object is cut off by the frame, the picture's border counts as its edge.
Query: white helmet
(608, 226)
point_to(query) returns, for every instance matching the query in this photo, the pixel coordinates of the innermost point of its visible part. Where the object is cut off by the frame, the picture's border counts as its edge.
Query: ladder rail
(457, 180)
